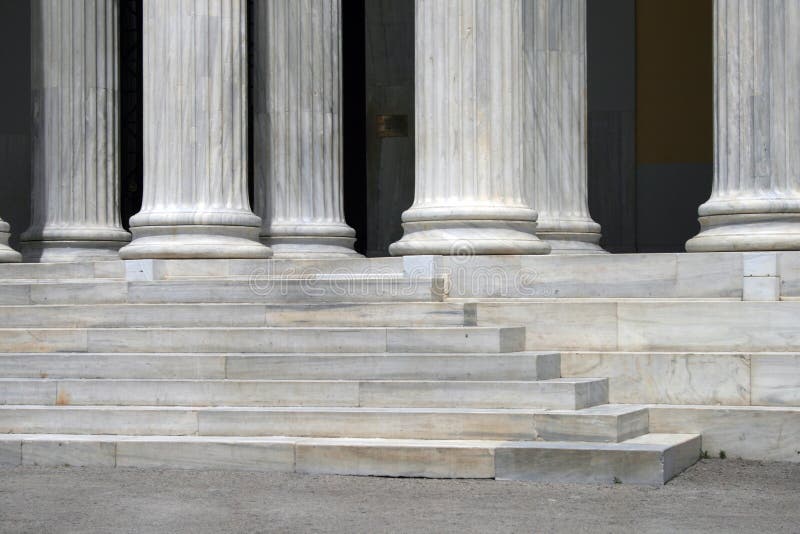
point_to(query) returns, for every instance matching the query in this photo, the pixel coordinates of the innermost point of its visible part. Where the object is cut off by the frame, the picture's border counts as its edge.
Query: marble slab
(140, 366)
(761, 288)
(554, 325)
(10, 452)
(398, 423)
(775, 379)
(374, 458)
(103, 420)
(274, 454)
(751, 433)
(630, 462)
(709, 326)
(69, 453)
(668, 378)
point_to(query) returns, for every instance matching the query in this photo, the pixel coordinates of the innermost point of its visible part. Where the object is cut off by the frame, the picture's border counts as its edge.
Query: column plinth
(7, 254)
(195, 202)
(755, 199)
(298, 129)
(555, 109)
(75, 142)
(470, 197)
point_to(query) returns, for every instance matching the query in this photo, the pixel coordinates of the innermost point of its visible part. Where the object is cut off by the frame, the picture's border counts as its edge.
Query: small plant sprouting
(722, 455)
(704, 455)
(617, 480)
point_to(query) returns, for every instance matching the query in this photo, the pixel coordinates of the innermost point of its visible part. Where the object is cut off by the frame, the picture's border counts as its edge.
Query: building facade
(211, 144)
(499, 125)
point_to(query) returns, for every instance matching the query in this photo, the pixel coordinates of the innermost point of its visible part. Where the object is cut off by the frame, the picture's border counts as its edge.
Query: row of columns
(500, 130)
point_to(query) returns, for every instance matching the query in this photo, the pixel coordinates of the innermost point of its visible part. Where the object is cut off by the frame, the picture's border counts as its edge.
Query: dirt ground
(713, 496)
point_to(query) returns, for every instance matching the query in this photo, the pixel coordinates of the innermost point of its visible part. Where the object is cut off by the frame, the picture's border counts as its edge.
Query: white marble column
(7, 254)
(195, 201)
(755, 200)
(470, 196)
(555, 124)
(75, 138)
(298, 128)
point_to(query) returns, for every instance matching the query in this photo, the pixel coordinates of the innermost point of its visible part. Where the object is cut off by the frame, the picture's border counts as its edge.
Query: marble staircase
(209, 370)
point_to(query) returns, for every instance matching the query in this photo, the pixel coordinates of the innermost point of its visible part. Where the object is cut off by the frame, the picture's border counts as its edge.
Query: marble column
(75, 138)
(755, 199)
(7, 254)
(554, 131)
(470, 196)
(195, 201)
(298, 128)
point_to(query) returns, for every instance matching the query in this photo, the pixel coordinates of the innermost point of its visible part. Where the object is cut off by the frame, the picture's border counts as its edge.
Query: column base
(565, 236)
(70, 251)
(747, 232)
(306, 241)
(571, 245)
(311, 248)
(469, 238)
(7, 254)
(65, 244)
(195, 242)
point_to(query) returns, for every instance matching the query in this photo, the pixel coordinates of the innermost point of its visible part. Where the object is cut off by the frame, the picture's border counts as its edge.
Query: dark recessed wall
(611, 79)
(15, 105)
(674, 120)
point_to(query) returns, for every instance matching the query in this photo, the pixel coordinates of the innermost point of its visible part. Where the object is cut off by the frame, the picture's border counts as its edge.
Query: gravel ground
(713, 496)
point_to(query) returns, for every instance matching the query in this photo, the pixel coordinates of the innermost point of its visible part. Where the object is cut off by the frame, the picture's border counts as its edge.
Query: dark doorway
(674, 120)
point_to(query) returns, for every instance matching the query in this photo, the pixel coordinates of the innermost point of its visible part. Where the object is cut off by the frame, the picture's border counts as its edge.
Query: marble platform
(591, 368)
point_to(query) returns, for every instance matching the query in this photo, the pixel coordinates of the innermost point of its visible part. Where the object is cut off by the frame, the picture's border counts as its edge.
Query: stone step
(769, 433)
(226, 268)
(612, 424)
(648, 325)
(652, 459)
(62, 271)
(243, 314)
(558, 393)
(209, 340)
(498, 366)
(314, 288)
(698, 377)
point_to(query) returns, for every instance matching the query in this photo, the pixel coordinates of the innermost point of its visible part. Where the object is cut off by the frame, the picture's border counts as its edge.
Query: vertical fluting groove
(755, 196)
(468, 137)
(555, 108)
(297, 144)
(75, 152)
(195, 106)
(468, 134)
(755, 66)
(195, 202)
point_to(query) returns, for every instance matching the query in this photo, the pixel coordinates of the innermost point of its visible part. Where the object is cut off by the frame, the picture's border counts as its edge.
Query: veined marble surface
(755, 200)
(75, 138)
(666, 378)
(298, 128)
(776, 380)
(195, 202)
(470, 196)
(555, 108)
(758, 433)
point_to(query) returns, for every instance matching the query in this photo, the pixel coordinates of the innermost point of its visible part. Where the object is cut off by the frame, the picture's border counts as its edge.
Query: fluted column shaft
(755, 199)
(470, 196)
(555, 123)
(7, 254)
(195, 202)
(298, 128)
(75, 139)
